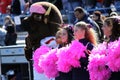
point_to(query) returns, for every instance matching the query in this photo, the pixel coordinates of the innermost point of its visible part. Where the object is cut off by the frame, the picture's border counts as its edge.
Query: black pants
(64, 76)
(115, 76)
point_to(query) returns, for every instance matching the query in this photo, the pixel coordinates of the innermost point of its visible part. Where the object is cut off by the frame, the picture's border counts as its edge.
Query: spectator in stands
(107, 4)
(97, 17)
(3, 5)
(89, 3)
(2, 36)
(99, 3)
(24, 6)
(27, 6)
(8, 10)
(68, 8)
(81, 15)
(117, 4)
(15, 7)
(11, 35)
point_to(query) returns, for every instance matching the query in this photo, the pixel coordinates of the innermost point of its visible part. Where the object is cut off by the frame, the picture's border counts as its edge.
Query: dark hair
(79, 9)
(70, 34)
(97, 13)
(115, 23)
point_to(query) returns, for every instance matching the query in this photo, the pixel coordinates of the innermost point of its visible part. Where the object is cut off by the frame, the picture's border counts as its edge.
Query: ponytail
(89, 32)
(91, 35)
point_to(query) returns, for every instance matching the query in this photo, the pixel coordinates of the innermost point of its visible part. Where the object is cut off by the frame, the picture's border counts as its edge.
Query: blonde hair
(89, 32)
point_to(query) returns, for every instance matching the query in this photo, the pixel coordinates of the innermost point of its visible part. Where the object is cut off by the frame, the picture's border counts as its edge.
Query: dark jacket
(82, 73)
(64, 76)
(15, 7)
(115, 76)
(100, 24)
(11, 35)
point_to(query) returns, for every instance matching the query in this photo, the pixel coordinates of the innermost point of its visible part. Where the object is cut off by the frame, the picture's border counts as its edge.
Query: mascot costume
(44, 21)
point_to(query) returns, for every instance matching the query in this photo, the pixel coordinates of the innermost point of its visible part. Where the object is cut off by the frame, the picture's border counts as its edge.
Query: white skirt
(38, 76)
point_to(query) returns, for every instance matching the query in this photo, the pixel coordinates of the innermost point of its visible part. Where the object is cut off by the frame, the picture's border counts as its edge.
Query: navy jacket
(82, 73)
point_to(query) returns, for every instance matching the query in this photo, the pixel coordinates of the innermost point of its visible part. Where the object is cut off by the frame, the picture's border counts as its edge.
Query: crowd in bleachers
(21, 7)
(18, 7)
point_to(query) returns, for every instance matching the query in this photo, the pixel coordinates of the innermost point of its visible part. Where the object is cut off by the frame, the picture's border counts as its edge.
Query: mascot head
(47, 12)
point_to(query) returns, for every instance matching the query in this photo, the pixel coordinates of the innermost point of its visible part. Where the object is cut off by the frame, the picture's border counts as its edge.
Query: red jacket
(3, 5)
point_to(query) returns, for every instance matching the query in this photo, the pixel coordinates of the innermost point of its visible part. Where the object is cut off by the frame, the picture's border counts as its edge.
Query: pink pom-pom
(100, 49)
(75, 52)
(104, 55)
(97, 67)
(48, 64)
(113, 58)
(77, 49)
(37, 54)
(69, 56)
(62, 63)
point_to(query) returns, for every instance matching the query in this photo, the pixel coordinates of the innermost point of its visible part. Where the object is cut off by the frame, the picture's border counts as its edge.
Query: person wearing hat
(44, 21)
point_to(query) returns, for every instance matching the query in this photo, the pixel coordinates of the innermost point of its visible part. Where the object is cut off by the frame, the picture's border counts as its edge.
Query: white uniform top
(50, 42)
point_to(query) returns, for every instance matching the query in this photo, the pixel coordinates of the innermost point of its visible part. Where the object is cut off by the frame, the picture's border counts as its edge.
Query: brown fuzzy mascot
(44, 21)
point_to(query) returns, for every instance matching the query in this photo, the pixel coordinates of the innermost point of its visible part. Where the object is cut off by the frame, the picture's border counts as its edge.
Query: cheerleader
(66, 38)
(111, 29)
(87, 37)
